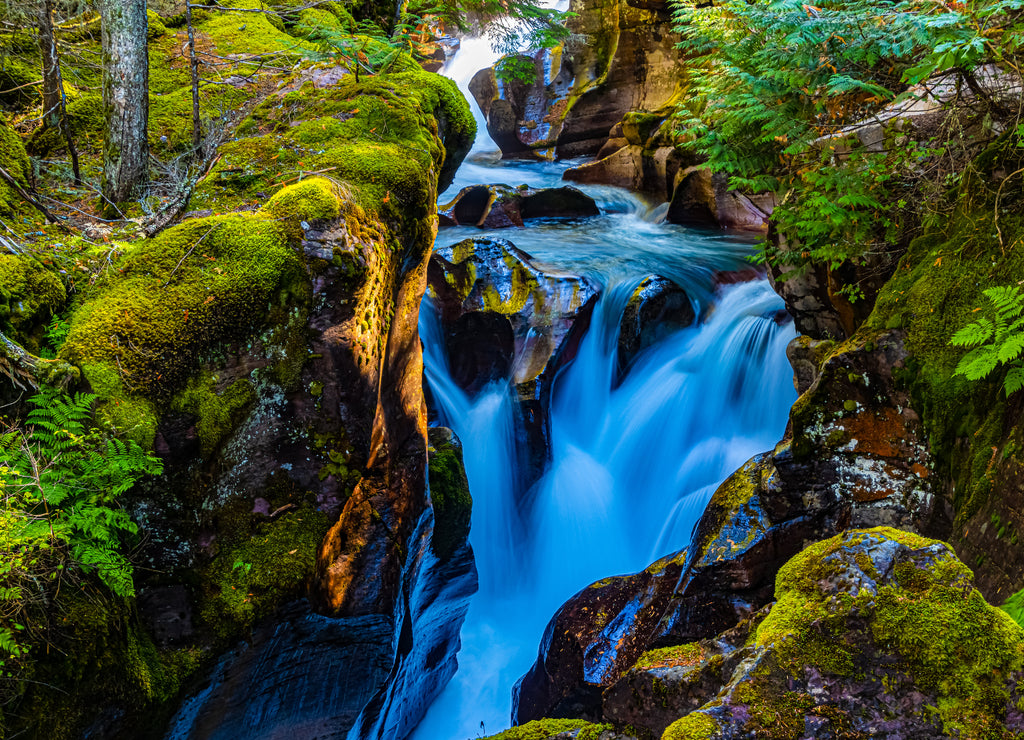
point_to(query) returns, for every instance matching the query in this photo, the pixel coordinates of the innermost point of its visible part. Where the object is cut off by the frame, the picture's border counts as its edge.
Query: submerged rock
(501, 206)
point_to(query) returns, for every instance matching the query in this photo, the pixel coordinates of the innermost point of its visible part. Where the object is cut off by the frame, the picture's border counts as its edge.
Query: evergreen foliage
(996, 338)
(782, 88)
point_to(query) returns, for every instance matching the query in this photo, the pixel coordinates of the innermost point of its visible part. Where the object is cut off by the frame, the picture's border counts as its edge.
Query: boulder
(501, 206)
(700, 198)
(505, 316)
(599, 630)
(657, 308)
(537, 303)
(873, 633)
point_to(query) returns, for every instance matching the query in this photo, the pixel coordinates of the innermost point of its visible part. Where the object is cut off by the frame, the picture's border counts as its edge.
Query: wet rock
(501, 206)
(874, 633)
(854, 456)
(591, 640)
(167, 611)
(701, 198)
(666, 683)
(450, 498)
(500, 283)
(271, 671)
(441, 577)
(806, 356)
(657, 308)
(633, 167)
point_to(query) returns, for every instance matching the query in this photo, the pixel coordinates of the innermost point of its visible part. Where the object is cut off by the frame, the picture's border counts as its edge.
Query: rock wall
(625, 62)
(299, 574)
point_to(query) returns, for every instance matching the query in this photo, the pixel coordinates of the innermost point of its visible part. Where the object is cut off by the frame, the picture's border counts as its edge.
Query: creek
(634, 459)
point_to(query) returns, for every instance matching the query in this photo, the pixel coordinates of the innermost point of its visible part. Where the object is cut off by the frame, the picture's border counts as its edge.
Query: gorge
(588, 402)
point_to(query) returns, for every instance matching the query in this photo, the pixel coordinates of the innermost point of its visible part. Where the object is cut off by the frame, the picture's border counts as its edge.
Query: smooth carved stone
(574, 98)
(701, 198)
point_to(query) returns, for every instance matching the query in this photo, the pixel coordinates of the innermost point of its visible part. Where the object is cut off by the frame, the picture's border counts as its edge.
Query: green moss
(542, 729)
(30, 295)
(380, 136)
(252, 576)
(689, 654)
(694, 726)
(250, 33)
(217, 412)
(97, 655)
(935, 289)
(950, 641)
(85, 118)
(449, 498)
(16, 77)
(13, 159)
(155, 27)
(172, 297)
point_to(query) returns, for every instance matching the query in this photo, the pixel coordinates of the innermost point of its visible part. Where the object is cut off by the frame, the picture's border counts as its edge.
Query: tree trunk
(55, 114)
(51, 66)
(125, 98)
(193, 66)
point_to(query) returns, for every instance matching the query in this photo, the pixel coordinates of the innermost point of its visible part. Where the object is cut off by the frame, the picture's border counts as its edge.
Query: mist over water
(633, 463)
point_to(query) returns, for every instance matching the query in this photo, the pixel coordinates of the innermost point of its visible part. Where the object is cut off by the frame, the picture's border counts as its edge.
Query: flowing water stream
(632, 464)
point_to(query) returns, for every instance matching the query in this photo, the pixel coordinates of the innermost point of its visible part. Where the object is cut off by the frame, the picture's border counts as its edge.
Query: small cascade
(632, 469)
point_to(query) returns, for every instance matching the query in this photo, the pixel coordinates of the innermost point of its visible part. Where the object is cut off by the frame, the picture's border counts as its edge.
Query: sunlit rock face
(577, 94)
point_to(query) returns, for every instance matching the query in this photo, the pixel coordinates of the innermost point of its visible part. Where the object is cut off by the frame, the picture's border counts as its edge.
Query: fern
(997, 339)
(60, 480)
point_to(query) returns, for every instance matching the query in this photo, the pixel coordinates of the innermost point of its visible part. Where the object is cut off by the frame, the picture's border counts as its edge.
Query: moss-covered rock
(270, 357)
(449, 493)
(174, 296)
(559, 729)
(379, 135)
(873, 632)
(30, 295)
(13, 159)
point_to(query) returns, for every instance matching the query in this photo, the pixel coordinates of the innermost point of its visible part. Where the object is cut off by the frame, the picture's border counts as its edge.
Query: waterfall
(634, 459)
(632, 469)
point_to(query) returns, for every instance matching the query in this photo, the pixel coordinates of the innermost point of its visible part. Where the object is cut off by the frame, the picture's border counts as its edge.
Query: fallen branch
(6, 177)
(26, 371)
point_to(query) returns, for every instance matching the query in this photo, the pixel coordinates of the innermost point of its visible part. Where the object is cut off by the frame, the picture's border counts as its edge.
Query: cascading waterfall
(634, 460)
(632, 469)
